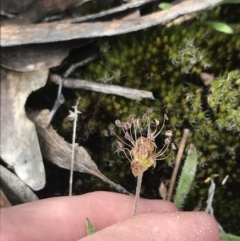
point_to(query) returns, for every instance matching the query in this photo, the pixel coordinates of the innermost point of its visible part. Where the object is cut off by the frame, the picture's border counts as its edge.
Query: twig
(58, 102)
(186, 134)
(73, 116)
(79, 64)
(60, 98)
(107, 89)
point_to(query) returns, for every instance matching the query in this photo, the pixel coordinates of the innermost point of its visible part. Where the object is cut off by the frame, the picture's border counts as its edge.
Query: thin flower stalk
(137, 195)
(73, 115)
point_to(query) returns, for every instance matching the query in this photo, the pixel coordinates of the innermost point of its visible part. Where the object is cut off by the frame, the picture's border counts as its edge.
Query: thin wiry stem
(162, 151)
(160, 159)
(135, 131)
(126, 154)
(160, 129)
(73, 146)
(123, 141)
(137, 195)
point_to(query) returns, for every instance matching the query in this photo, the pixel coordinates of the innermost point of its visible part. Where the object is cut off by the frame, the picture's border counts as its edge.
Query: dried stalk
(186, 134)
(73, 116)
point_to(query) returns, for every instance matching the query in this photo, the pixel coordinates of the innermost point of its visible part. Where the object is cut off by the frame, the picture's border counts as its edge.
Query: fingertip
(174, 226)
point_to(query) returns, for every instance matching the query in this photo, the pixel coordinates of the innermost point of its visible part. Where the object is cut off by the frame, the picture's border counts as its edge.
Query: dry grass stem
(186, 134)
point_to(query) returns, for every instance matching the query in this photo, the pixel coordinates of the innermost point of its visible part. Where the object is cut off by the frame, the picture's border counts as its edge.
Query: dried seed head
(143, 150)
(137, 123)
(165, 117)
(148, 112)
(132, 117)
(126, 125)
(173, 146)
(150, 136)
(127, 136)
(112, 132)
(120, 146)
(156, 122)
(168, 133)
(167, 141)
(118, 123)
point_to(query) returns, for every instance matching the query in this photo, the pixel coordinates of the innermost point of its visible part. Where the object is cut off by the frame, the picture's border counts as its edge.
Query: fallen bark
(18, 137)
(62, 31)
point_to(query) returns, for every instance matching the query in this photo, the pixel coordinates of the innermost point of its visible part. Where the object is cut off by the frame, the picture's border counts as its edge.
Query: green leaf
(229, 1)
(165, 6)
(186, 177)
(229, 237)
(221, 27)
(203, 17)
(89, 227)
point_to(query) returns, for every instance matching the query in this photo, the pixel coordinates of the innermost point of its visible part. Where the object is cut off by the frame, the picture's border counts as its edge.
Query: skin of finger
(168, 226)
(64, 218)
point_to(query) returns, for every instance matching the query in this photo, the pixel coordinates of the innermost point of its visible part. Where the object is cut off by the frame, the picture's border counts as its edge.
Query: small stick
(137, 195)
(107, 89)
(79, 64)
(186, 134)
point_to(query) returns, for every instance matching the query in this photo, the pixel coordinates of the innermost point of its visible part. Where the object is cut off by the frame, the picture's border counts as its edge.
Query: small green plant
(139, 146)
(187, 177)
(90, 227)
